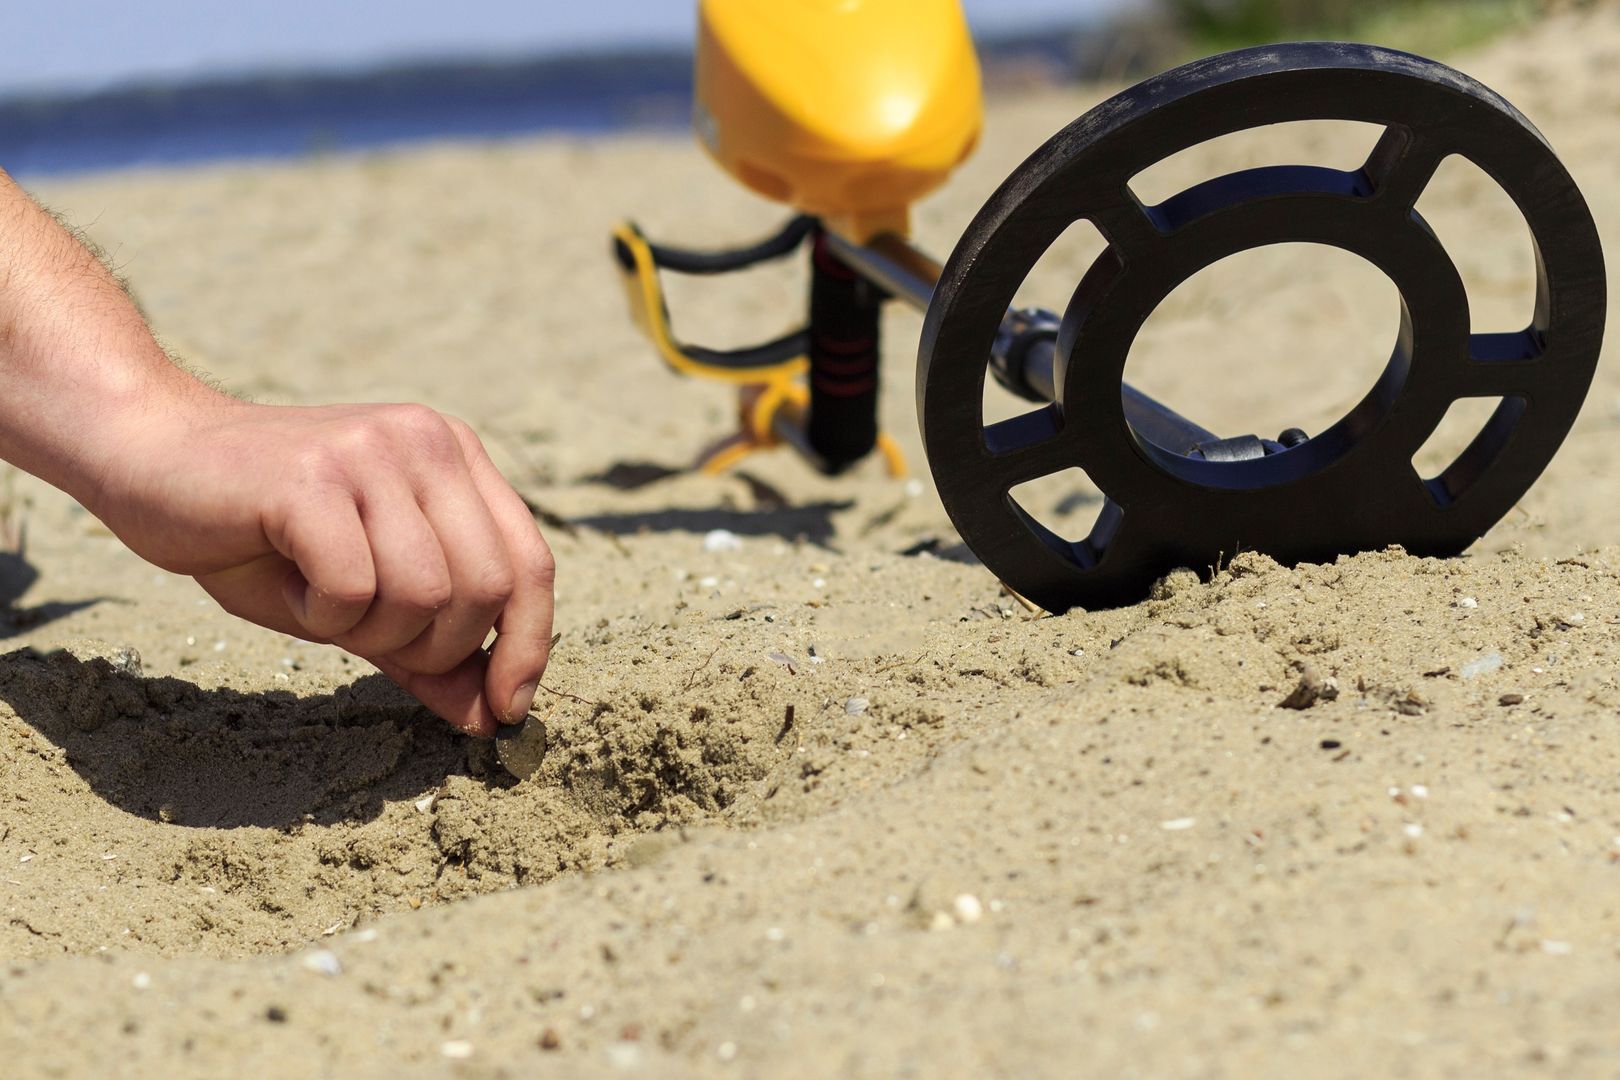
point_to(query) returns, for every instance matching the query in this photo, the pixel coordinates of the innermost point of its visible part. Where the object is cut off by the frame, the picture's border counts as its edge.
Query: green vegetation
(1423, 26)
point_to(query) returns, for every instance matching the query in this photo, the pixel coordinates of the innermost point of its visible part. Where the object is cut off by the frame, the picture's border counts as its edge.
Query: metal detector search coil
(1177, 494)
(1349, 488)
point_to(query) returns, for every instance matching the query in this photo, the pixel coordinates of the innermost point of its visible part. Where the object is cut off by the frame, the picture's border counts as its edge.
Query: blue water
(300, 115)
(295, 116)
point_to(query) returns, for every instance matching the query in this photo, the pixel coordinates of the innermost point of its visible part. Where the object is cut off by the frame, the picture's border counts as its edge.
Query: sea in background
(296, 115)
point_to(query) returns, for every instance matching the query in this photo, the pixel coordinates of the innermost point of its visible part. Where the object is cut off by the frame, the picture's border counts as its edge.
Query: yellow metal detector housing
(849, 110)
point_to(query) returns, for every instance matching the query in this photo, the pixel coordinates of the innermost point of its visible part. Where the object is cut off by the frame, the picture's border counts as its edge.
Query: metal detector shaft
(1027, 349)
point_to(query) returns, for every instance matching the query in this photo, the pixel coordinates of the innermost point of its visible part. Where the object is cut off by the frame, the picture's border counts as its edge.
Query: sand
(815, 803)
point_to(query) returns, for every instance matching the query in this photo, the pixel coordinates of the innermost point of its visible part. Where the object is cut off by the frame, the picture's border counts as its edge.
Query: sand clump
(817, 796)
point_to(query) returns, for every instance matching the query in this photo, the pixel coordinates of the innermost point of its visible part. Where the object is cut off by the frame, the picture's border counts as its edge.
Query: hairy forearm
(80, 373)
(384, 529)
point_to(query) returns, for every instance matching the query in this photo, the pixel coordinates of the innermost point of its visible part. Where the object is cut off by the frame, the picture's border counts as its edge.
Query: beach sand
(811, 805)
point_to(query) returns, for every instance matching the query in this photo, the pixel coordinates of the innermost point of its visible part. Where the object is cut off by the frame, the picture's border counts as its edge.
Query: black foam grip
(844, 348)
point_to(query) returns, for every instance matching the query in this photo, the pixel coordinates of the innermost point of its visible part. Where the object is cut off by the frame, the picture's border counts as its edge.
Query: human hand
(382, 529)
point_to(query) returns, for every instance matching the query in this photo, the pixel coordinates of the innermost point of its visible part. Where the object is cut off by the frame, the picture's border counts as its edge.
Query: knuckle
(425, 431)
(491, 587)
(383, 435)
(316, 465)
(359, 440)
(366, 641)
(424, 599)
(346, 593)
(462, 430)
(411, 416)
(543, 567)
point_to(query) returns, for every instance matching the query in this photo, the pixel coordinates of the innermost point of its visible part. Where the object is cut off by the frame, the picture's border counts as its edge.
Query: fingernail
(521, 702)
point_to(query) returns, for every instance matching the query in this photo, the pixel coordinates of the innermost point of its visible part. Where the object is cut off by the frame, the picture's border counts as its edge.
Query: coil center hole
(1284, 336)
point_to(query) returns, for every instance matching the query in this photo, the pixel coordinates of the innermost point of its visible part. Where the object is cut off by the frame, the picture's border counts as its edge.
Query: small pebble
(549, 1039)
(456, 1049)
(624, 1055)
(855, 706)
(1510, 699)
(726, 1051)
(722, 540)
(967, 908)
(141, 981)
(322, 962)
(1313, 687)
(1413, 829)
(1557, 948)
(1468, 602)
(1178, 824)
(1483, 665)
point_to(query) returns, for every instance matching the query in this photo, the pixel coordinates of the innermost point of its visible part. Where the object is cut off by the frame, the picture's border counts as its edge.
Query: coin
(522, 747)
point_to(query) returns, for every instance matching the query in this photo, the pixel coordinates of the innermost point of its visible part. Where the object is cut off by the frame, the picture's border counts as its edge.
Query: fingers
(457, 695)
(336, 580)
(523, 645)
(479, 569)
(448, 551)
(415, 587)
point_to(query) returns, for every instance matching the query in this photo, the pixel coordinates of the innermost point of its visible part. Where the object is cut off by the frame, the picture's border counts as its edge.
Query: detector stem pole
(1024, 355)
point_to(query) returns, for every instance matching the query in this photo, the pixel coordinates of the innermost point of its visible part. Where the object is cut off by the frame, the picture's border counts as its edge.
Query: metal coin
(522, 747)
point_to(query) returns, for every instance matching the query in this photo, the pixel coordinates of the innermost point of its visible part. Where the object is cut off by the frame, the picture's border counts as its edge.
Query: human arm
(383, 529)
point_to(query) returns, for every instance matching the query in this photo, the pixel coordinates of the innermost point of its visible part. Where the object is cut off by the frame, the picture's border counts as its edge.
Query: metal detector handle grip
(844, 347)
(640, 260)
